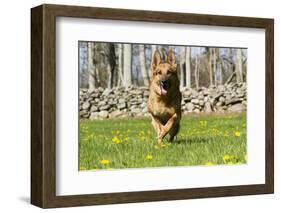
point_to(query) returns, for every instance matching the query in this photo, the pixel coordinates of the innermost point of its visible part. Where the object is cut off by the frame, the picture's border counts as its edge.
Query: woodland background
(109, 65)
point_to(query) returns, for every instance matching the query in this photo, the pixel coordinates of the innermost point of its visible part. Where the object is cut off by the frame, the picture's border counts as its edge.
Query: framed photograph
(136, 106)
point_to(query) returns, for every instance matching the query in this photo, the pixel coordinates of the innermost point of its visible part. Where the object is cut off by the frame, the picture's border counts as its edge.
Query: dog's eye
(159, 72)
(169, 72)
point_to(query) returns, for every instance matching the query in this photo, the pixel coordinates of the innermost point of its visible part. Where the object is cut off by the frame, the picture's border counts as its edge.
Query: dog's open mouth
(164, 87)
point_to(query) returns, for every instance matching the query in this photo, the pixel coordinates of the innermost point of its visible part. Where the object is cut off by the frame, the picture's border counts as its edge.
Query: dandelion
(209, 164)
(226, 157)
(203, 123)
(116, 140)
(149, 157)
(237, 134)
(141, 133)
(104, 161)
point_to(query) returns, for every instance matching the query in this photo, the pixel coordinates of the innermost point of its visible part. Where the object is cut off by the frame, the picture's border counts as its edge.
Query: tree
(196, 71)
(153, 49)
(219, 67)
(110, 63)
(210, 52)
(142, 65)
(91, 65)
(187, 68)
(214, 55)
(83, 64)
(119, 73)
(182, 66)
(239, 66)
(127, 62)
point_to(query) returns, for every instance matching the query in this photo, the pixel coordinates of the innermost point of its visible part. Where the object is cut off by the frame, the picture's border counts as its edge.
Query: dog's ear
(156, 59)
(171, 59)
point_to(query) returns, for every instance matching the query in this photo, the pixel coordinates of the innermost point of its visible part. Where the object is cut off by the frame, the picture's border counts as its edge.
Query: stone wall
(131, 102)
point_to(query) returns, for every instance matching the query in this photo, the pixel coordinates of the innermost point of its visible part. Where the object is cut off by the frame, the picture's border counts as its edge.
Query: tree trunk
(91, 65)
(211, 66)
(127, 65)
(153, 49)
(111, 64)
(120, 64)
(187, 68)
(239, 66)
(142, 65)
(220, 73)
(109, 74)
(182, 66)
(230, 78)
(196, 72)
(215, 65)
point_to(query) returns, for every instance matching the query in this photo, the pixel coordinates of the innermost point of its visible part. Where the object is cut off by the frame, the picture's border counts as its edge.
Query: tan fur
(165, 110)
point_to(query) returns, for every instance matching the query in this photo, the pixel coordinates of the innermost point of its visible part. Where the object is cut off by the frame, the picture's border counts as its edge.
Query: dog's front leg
(165, 129)
(157, 125)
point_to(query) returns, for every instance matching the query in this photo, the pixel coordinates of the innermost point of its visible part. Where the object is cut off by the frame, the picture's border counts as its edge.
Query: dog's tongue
(163, 91)
(164, 88)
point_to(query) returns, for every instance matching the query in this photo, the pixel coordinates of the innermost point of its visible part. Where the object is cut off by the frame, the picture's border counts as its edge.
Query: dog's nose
(164, 84)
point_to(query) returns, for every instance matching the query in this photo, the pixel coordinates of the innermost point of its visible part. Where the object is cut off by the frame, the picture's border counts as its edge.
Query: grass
(131, 143)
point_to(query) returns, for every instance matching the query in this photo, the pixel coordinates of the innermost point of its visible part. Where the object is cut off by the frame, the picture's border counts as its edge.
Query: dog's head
(165, 72)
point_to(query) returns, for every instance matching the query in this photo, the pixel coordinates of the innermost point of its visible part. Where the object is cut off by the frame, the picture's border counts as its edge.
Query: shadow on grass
(193, 140)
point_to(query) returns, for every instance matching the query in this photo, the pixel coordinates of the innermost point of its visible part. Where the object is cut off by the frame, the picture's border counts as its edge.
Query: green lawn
(131, 143)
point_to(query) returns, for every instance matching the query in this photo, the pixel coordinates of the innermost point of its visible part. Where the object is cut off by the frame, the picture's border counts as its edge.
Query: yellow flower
(149, 157)
(237, 134)
(203, 123)
(116, 140)
(226, 157)
(160, 146)
(104, 161)
(209, 164)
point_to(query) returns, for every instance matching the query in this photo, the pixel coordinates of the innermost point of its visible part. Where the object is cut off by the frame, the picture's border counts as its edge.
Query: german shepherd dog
(164, 102)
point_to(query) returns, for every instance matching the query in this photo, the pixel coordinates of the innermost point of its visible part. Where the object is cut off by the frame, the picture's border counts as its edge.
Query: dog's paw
(160, 141)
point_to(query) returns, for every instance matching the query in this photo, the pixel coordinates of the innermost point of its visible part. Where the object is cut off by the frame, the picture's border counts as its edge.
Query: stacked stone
(117, 102)
(223, 98)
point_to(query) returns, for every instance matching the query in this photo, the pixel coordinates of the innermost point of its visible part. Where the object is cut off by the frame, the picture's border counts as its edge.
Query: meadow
(131, 143)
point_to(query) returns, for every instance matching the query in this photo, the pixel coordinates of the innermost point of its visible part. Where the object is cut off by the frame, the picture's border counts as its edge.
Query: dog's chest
(163, 112)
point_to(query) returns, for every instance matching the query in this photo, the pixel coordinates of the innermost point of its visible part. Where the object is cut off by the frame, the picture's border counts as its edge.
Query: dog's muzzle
(164, 85)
